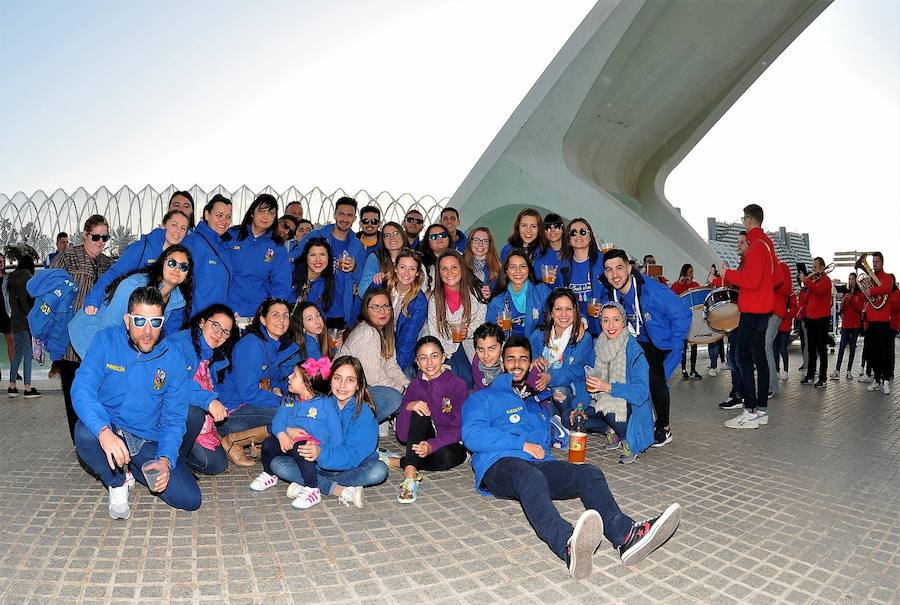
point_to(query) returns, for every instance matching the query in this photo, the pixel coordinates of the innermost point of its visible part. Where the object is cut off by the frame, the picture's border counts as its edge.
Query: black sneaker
(821, 384)
(732, 403)
(32, 394)
(647, 536)
(584, 541)
(695, 376)
(771, 395)
(685, 375)
(663, 437)
(12, 392)
(807, 381)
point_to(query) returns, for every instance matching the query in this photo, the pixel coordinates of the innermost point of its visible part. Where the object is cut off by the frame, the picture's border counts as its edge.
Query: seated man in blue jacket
(131, 395)
(508, 433)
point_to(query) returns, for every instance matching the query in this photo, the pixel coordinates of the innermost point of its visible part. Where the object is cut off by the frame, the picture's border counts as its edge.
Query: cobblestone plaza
(804, 510)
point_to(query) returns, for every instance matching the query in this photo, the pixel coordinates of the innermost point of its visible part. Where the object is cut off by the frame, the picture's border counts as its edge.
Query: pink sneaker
(310, 498)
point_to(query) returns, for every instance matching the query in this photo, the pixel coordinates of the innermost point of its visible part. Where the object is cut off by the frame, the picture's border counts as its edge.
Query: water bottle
(578, 436)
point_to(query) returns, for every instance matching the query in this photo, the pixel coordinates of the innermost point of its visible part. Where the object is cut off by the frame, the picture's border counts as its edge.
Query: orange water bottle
(578, 436)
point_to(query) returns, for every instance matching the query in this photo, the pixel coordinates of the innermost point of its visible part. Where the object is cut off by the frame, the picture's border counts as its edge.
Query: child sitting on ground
(305, 416)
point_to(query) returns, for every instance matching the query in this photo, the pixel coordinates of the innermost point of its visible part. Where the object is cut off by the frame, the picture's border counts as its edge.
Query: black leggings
(659, 389)
(67, 371)
(272, 448)
(817, 345)
(693, 356)
(449, 456)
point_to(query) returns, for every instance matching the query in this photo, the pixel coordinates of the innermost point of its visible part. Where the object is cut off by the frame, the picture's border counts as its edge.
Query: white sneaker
(886, 387)
(118, 502)
(747, 420)
(875, 387)
(864, 378)
(784, 375)
(129, 479)
(310, 498)
(263, 482)
(352, 494)
(712, 372)
(295, 490)
(834, 375)
(384, 429)
(762, 417)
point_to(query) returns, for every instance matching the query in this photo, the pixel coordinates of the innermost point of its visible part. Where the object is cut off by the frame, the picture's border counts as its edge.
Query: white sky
(403, 96)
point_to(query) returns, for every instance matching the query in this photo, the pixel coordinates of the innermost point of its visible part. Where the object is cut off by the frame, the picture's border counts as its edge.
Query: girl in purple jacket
(429, 420)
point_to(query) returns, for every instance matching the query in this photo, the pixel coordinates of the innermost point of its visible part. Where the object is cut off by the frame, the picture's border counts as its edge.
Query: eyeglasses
(96, 237)
(437, 236)
(271, 211)
(418, 221)
(218, 329)
(480, 242)
(553, 226)
(369, 221)
(390, 234)
(582, 232)
(171, 263)
(139, 321)
(379, 308)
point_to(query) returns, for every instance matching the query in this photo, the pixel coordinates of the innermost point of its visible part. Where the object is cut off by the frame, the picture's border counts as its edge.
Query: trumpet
(817, 275)
(866, 280)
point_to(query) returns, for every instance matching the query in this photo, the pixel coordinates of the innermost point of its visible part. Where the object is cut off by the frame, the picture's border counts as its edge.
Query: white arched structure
(628, 96)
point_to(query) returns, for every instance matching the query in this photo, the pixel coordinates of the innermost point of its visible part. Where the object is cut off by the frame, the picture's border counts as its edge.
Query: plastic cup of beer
(548, 274)
(151, 470)
(505, 321)
(333, 338)
(456, 330)
(594, 308)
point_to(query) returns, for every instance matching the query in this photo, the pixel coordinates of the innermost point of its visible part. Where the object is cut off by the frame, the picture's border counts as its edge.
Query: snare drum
(721, 309)
(700, 332)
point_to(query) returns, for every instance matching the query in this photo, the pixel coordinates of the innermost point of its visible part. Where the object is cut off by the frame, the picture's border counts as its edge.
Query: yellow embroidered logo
(45, 309)
(159, 379)
(312, 413)
(115, 368)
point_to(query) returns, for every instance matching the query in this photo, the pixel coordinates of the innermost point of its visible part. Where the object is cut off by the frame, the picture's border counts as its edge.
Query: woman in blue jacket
(527, 234)
(380, 262)
(254, 383)
(518, 293)
(581, 269)
(258, 259)
(172, 275)
(206, 347)
(139, 255)
(345, 468)
(314, 280)
(212, 262)
(310, 334)
(619, 388)
(555, 230)
(404, 283)
(481, 257)
(561, 351)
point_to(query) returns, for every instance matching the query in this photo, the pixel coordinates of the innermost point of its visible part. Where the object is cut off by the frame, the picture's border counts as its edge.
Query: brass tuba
(866, 280)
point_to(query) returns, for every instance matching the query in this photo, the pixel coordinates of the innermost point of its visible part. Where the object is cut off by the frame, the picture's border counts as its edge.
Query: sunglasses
(369, 221)
(418, 221)
(139, 321)
(553, 226)
(582, 232)
(96, 237)
(171, 263)
(437, 236)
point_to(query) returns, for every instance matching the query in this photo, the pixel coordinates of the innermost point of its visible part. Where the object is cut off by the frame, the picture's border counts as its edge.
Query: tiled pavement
(802, 511)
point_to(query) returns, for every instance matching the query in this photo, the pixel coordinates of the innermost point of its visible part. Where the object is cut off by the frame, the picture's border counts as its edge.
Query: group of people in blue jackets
(210, 344)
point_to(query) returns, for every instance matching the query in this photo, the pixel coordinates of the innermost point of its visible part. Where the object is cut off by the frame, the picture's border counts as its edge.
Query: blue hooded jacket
(636, 391)
(145, 394)
(84, 327)
(318, 416)
(183, 342)
(564, 279)
(139, 255)
(407, 329)
(54, 293)
(497, 423)
(260, 269)
(574, 359)
(359, 438)
(252, 360)
(212, 267)
(287, 362)
(346, 303)
(535, 306)
(665, 317)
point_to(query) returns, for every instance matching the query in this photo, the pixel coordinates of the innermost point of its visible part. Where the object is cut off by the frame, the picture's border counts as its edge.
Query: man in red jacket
(818, 312)
(756, 281)
(881, 349)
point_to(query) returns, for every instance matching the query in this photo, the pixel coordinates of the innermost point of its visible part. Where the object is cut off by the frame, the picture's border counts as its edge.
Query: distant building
(790, 247)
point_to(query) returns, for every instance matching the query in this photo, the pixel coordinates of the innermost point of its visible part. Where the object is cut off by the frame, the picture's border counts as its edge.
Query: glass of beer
(594, 308)
(456, 330)
(548, 274)
(333, 338)
(505, 321)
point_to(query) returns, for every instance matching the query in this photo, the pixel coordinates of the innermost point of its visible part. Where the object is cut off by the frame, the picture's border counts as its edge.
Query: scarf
(556, 347)
(479, 268)
(208, 437)
(489, 372)
(519, 299)
(454, 299)
(610, 367)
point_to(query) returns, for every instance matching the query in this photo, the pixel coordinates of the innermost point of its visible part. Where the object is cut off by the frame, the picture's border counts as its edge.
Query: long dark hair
(428, 257)
(256, 326)
(548, 319)
(301, 271)
(540, 243)
(684, 269)
(385, 334)
(267, 202)
(154, 277)
(567, 256)
(385, 263)
(205, 315)
(362, 389)
(503, 278)
(300, 333)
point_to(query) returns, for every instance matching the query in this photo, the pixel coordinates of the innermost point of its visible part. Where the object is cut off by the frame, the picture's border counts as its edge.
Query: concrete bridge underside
(635, 87)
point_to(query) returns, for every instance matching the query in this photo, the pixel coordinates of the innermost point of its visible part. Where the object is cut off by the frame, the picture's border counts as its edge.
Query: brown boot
(234, 444)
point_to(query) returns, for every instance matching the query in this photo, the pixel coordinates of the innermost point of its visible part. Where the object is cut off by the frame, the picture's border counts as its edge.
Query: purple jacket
(445, 396)
(478, 376)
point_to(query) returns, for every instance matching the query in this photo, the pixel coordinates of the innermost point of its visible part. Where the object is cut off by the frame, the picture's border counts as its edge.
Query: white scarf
(556, 347)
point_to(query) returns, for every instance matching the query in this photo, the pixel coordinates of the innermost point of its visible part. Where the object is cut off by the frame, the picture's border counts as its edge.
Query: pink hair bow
(321, 366)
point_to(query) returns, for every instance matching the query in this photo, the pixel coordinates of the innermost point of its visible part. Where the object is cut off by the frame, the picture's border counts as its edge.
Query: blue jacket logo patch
(159, 379)
(270, 254)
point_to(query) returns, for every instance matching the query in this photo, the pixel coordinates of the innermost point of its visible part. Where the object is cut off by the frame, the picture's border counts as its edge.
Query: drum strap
(635, 330)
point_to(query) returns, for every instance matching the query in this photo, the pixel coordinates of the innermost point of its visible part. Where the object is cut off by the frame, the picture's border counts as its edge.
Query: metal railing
(36, 219)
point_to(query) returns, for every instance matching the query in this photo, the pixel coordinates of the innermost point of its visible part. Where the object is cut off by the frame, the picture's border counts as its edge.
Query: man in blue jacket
(508, 433)
(131, 395)
(658, 319)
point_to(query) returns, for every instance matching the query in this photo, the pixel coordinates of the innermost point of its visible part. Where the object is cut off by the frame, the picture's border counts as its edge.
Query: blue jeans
(602, 423)
(22, 342)
(848, 337)
(734, 343)
(771, 334)
(387, 401)
(198, 457)
(372, 471)
(247, 417)
(461, 365)
(713, 349)
(752, 354)
(782, 341)
(535, 485)
(182, 491)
